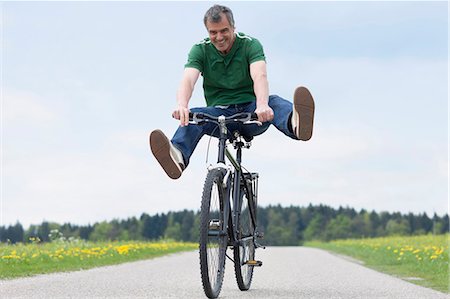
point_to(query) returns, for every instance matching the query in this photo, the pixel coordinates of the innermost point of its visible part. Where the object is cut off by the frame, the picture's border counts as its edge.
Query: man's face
(221, 34)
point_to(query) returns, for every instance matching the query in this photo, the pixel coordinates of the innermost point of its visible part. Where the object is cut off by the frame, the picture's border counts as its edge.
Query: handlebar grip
(197, 115)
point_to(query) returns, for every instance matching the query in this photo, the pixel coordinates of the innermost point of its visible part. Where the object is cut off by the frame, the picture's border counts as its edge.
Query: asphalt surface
(288, 272)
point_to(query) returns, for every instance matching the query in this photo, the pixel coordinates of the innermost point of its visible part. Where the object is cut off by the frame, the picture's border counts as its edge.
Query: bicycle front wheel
(245, 251)
(213, 237)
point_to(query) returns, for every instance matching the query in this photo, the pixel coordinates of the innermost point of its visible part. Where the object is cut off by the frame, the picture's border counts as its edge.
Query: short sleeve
(195, 58)
(255, 51)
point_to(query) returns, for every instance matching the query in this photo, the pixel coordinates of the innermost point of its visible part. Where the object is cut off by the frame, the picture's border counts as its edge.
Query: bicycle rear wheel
(245, 252)
(213, 237)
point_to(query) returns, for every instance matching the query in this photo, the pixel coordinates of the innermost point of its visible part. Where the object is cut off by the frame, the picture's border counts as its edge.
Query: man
(234, 80)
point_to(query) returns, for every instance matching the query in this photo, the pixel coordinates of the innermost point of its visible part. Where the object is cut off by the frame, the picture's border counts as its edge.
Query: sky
(84, 83)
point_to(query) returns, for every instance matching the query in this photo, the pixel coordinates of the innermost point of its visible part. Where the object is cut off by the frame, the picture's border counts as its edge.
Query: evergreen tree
(426, 223)
(85, 232)
(445, 225)
(316, 228)
(339, 228)
(173, 229)
(398, 227)
(44, 231)
(154, 226)
(102, 232)
(2, 234)
(186, 225)
(15, 233)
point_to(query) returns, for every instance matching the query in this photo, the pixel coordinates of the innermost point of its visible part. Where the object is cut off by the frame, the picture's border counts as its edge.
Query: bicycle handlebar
(245, 118)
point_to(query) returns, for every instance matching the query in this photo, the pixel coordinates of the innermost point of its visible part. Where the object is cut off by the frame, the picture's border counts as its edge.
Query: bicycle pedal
(253, 263)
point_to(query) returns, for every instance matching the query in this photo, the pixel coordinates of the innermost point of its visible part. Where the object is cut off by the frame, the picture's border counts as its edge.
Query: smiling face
(221, 34)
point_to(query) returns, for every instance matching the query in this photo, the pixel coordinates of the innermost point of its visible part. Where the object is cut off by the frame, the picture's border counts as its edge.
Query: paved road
(288, 272)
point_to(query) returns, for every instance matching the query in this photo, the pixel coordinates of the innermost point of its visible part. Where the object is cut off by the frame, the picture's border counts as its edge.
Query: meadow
(18, 260)
(423, 260)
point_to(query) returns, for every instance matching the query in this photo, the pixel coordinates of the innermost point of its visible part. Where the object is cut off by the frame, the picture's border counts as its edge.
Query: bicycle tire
(212, 244)
(245, 251)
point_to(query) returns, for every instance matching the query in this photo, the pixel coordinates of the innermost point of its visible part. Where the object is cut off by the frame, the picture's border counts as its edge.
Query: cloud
(119, 179)
(21, 107)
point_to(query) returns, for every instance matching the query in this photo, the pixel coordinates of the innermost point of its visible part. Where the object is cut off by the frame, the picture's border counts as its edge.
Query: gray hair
(213, 14)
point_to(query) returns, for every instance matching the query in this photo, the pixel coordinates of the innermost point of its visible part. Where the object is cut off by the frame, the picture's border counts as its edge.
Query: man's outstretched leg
(294, 119)
(302, 114)
(173, 155)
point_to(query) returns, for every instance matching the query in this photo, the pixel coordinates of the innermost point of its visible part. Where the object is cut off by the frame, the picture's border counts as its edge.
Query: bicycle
(228, 214)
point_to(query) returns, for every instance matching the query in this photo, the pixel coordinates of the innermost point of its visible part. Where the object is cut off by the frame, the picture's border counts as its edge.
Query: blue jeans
(186, 138)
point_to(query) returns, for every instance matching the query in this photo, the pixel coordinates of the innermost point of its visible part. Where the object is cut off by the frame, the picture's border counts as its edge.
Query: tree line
(280, 225)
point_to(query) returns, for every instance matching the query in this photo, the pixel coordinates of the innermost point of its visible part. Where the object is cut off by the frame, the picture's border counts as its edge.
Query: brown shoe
(169, 157)
(303, 113)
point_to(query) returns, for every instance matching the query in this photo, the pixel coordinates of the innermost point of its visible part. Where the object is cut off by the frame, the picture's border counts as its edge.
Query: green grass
(20, 260)
(422, 260)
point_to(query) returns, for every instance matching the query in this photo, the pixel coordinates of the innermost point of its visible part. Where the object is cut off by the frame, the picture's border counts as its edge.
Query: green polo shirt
(226, 78)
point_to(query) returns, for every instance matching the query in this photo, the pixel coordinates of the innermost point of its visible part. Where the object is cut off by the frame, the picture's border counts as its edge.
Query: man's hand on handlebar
(181, 113)
(265, 113)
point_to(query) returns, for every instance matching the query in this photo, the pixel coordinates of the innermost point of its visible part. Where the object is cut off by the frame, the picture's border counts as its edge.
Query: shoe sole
(160, 147)
(304, 107)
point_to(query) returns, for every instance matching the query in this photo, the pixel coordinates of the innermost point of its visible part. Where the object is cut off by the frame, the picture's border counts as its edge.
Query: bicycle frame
(237, 178)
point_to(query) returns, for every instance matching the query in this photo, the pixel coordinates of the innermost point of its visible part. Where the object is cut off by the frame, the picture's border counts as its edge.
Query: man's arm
(190, 77)
(258, 73)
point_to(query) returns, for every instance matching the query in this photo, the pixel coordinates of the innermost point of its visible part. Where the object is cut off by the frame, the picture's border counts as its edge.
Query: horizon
(358, 211)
